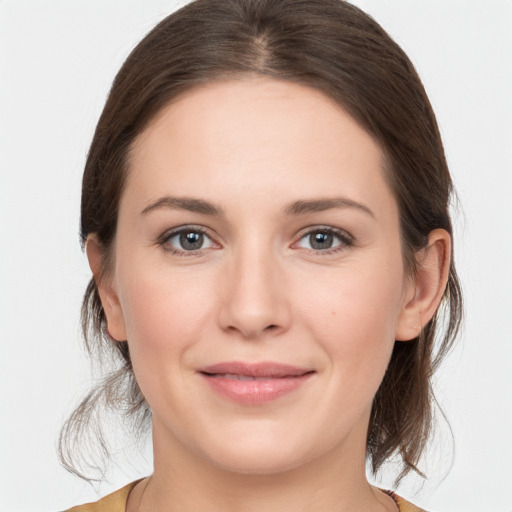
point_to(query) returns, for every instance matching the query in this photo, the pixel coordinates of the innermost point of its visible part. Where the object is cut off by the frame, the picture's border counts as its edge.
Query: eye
(186, 240)
(325, 240)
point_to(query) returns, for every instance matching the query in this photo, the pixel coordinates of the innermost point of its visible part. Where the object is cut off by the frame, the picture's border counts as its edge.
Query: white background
(57, 59)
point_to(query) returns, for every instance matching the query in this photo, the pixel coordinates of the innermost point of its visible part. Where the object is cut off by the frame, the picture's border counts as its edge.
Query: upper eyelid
(166, 235)
(319, 228)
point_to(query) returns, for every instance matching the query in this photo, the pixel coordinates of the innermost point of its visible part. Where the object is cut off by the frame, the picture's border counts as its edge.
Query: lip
(254, 383)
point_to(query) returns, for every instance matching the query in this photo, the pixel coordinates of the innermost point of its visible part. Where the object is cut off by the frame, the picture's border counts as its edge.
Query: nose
(254, 302)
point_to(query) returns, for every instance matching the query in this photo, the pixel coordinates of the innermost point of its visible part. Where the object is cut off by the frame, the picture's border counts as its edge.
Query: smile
(254, 384)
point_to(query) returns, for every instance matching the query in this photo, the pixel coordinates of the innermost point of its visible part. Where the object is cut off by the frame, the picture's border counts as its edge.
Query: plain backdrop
(57, 60)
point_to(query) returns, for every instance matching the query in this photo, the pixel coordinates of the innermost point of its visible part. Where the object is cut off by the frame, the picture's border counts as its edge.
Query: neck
(185, 482)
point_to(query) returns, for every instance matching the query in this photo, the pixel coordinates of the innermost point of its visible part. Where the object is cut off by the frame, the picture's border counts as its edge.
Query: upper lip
(263, 369)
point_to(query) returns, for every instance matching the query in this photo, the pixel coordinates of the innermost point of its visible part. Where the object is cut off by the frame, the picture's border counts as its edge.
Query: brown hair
(333, 47)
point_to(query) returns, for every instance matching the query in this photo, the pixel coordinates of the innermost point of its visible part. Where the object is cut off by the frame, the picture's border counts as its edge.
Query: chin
(262, 454)
(258, 462)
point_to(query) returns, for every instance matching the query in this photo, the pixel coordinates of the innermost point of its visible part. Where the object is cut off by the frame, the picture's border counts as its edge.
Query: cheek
(158, 301)
(164, 315)
(353, 314)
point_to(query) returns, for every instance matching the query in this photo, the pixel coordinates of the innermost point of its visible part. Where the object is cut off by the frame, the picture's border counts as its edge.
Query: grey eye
(189, 240)
(323, 239)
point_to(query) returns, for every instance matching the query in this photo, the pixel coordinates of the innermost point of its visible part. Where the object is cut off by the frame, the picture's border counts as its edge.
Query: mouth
(254, 383)
(236, 376)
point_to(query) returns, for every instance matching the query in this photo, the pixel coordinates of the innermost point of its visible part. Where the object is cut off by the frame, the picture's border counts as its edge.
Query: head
(327, 52)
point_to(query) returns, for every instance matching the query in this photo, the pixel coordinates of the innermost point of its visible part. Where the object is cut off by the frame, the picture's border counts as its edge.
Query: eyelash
(345, 238)
(166, 237)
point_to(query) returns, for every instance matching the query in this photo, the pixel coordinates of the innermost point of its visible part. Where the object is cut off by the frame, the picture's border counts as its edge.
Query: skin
(257, 290)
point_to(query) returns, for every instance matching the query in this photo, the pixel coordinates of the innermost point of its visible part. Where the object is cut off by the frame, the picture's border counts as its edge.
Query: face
(257, 275)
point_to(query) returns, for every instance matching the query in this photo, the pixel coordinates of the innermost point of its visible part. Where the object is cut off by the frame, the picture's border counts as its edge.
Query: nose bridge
(254, 300)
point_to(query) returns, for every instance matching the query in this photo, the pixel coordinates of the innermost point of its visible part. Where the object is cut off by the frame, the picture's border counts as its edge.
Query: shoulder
(115, 502)
(405, 506)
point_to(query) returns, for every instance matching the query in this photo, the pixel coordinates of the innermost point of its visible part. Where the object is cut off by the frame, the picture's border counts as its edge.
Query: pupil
(191, 240)
(321, 240)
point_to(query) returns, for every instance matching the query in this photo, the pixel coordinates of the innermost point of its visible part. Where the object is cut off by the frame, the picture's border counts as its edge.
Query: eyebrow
(185, 203)
(300, 207)
(322, 204)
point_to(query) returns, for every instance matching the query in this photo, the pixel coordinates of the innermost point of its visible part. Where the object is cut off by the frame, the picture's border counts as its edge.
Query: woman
(264, 210)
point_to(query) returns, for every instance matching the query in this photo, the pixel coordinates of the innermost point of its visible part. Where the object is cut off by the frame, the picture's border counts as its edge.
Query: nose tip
(254, 302)
(252, 328)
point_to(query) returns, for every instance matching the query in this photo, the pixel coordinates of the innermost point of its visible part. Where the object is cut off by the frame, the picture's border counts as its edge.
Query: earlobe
(106, 289)
(427, 287)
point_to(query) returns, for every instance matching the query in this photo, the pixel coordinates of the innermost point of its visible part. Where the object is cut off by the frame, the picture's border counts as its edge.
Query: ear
(425, 290)
(109, 298)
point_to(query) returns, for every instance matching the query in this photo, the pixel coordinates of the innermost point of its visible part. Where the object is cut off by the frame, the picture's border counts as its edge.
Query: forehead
(257, 137)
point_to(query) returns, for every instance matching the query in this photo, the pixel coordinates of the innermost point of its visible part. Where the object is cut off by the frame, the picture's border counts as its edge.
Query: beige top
(116, 502)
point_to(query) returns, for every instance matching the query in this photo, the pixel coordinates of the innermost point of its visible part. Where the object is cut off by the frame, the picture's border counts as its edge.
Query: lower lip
(255, 392)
